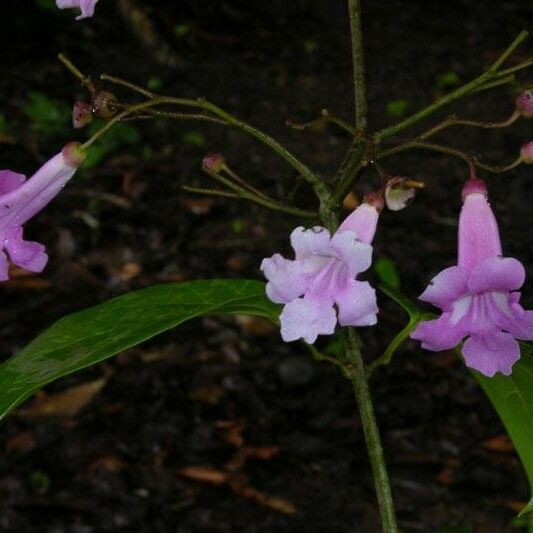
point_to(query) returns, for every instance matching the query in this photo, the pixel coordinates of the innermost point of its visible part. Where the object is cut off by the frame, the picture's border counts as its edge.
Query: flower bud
(82, 114)
(526, 153)
(399, 192)
(213, 162)
(524, 104)
(104, 105)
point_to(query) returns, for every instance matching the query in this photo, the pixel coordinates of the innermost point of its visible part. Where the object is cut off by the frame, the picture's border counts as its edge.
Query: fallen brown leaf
(499, 443)
(211, 394)
(261, 452)
(240, 486)
(67, 403)
(197, 206)
(205, 474)
(232, 431)
(107, 463)
(129, 271)
(21, 442)
(255, 326)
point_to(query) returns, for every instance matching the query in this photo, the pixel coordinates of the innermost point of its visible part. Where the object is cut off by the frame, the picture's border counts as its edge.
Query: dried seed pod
(399, 192)
(104, 105)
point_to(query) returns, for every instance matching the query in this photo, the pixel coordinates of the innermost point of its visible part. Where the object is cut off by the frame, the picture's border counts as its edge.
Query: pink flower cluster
(479, 297)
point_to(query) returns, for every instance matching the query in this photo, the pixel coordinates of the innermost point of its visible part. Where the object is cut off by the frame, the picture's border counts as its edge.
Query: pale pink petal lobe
(497, 274)
(488, 354)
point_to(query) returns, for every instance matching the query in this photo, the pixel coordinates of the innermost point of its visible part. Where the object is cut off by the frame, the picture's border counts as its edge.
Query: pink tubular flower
(478, 297)
(21, 199)
(85, 6)
(323, 275)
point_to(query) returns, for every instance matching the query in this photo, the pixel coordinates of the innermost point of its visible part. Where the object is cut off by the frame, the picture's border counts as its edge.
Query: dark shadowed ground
(273, 435)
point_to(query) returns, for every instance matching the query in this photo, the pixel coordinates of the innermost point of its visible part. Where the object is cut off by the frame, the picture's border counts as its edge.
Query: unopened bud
(526, 153)
(213, 162)
(73, 155)
(104, 104)
(399, 192)
(524, 104)
(82, 114)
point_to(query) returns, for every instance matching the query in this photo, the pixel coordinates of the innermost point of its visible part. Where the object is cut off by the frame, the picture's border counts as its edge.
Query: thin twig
(84, 80)
(434, 147)
(261, 200)
(464, 90)
(324, 118)
(128, 85)
(210, 192)
(455, 121)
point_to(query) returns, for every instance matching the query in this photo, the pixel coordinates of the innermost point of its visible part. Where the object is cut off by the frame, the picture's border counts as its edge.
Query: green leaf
(397, 108)
(387, 272)
(48, 117)
(512, 397)
(448, 80)
(90, 336)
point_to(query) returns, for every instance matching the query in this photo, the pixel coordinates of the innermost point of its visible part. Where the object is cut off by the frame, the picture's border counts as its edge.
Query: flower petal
(440, 334)
(356, 255)
(285, 279)
(446, 287)
(488, 354)
(497, 274)
(86, 6)
(311, 242)
(4, 267)
(306, 319)
(357, 304)
(22, 203)
(509, 315)
(363, 221)
(29, 255)
(9, 181)
(479, 237)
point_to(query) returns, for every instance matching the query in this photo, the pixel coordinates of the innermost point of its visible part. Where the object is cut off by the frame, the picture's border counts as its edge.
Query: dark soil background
(274, 437)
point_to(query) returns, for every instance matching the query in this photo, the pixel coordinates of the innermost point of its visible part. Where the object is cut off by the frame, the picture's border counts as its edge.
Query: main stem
(371, 432)
(355, 367)
(354, 12)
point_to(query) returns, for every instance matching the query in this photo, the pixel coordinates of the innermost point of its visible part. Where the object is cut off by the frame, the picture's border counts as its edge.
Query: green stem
(454, 121)
(348, 171)
(325, 117)
(464, 90)
(448, 150)
(370, 429)
(263, 200)
(135, 109)
(359, 86)
(318, 185)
